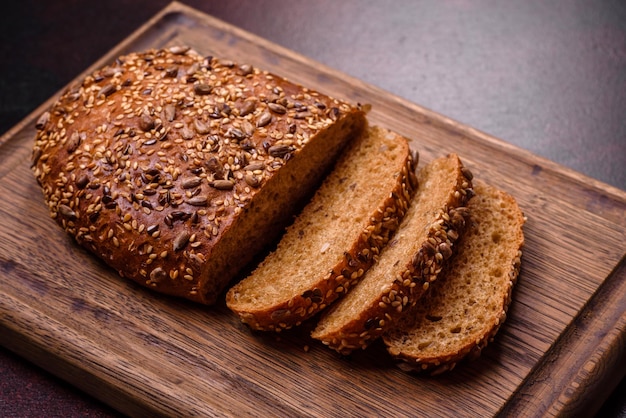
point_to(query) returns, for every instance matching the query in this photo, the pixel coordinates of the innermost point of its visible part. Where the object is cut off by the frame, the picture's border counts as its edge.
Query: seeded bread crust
(403, 274)
(309, 268)
(176, 169)
(467, 305)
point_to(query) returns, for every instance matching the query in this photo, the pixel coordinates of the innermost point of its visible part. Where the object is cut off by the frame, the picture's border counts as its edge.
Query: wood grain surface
(563, 343)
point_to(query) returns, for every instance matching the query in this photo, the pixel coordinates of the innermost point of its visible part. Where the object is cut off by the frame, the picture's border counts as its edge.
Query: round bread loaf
(176, 169)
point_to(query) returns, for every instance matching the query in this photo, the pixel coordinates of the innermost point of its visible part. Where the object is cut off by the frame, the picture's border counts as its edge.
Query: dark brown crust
(143, 164)
(421, 269)
(347, 273)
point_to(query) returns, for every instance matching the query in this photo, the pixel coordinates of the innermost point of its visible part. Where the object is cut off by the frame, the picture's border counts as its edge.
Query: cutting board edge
(457, 127)
(584, 386)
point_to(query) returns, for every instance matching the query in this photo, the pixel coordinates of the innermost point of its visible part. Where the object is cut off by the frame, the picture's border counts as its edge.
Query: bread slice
(176, 169)
(408, 264)
(335, 239)
(467, 305)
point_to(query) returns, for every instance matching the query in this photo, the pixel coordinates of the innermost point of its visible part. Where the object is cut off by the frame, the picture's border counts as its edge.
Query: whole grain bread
(176, 169)
(408, 264)
(467, 305)
(336, 237)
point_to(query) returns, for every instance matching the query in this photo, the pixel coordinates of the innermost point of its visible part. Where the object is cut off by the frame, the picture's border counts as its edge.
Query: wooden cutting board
(561, 350)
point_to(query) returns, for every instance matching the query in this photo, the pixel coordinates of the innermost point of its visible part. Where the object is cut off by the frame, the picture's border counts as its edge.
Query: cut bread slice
(336, 237)
(408, 264)
(467, 305)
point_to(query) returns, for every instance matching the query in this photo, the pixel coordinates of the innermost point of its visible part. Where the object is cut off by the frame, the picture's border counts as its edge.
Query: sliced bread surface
(467, 305)
(335, 238)
(408, 264)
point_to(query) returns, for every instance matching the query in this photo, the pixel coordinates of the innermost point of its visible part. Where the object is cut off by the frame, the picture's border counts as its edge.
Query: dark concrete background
(549, 77)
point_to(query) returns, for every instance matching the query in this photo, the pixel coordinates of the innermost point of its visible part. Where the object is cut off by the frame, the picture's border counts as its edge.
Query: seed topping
(279, 150)
(191, 182)
(264, 119)
(202, 89)
(107, 90)
(43, 120)
(247, 108)
(146, 122)
(74, 142)
(198, 201)
(223, 184)
(277, 108)
(181, 241)
(67, 212)
(166, 141)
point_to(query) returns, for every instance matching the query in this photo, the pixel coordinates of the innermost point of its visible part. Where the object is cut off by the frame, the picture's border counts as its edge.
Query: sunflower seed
(181, 241)
(37, 152)
(107, 90)
(73, 142)
(223, 184)
(179, 50)
(43, 120)
(467, 173)
(186, 133)
(246, 69)
(247, 127)
(445, 250)
(193, 69)
(170, 112)
(247, 145)
(276, 108)
(191, 182)
(279, 150)
(158, 275)
(201, 127)
(202, 89)
(171, 72)
(215, 166)
(264, 119)
(252, 180)
(82, 181)
(257, 165)
(247, 107)
(67, 212)
(198, 201)
(235, 134)
(146, 122)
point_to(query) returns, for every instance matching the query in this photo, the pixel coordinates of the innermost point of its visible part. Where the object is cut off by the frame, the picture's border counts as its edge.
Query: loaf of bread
(408, 264)
(466, 306)
(335, 239)
(176, 169)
